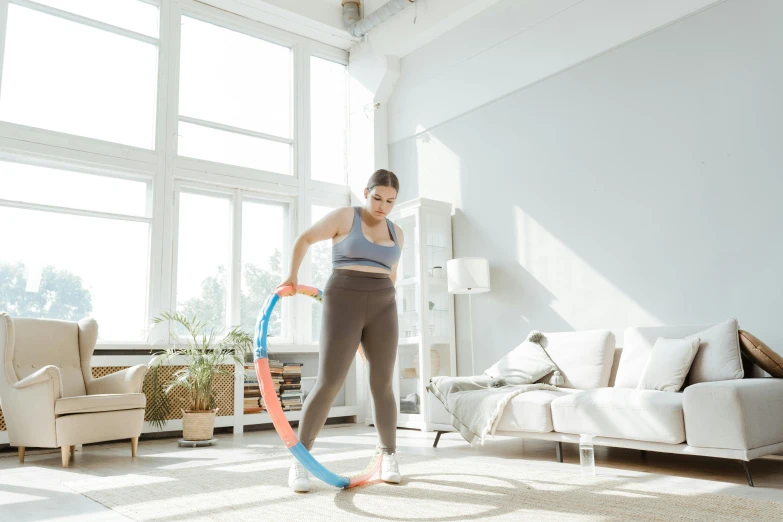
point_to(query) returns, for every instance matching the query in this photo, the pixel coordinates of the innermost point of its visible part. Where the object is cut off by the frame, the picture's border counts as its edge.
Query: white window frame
(320, 53)
(25, 144)
(71, 141)
(234, 282)
(231, 22)
(34, 154)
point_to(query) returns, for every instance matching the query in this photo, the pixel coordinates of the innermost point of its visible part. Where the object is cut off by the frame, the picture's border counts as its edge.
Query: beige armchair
(47, 392)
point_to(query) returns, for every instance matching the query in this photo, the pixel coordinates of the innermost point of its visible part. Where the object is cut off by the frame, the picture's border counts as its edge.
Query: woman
(358, 307)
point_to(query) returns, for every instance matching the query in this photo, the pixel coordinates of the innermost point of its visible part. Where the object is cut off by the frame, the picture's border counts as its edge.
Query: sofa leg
(66, 453)
(746, 465)
(437, 438)
(134, 446)
(21, 454)
(559, 452)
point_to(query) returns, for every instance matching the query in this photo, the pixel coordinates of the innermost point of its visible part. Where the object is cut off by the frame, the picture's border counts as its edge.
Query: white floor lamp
(468, 275)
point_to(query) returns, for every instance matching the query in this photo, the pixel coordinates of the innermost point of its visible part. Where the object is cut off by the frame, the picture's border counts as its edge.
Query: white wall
(512, 44)
(641, 187)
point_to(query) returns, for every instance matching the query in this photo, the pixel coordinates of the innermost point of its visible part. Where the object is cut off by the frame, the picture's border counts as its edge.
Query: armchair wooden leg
(437, 438)
(21, 454)
(134, 446)
(66, 452)
(559, 452)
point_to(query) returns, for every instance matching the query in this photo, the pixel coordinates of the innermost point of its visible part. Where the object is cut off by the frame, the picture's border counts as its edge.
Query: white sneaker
(390, 470)
(297, 477)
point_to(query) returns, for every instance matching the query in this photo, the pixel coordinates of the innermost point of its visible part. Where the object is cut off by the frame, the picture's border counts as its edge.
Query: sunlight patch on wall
(582, 296)
(439, 170)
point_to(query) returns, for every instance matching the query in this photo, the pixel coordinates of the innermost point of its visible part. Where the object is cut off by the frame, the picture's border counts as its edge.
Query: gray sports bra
(356, 249)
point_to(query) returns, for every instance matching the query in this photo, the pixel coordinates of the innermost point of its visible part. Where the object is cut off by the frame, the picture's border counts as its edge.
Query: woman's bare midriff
(362, 268)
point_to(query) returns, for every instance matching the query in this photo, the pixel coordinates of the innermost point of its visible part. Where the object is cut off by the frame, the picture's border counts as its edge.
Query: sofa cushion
(525, 364)
(718, 358)
(95, 403)
(583, 358)
(622, 413)
(531, 411)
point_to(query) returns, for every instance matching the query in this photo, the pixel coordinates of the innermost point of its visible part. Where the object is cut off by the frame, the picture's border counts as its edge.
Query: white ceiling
(322, 20)
(399, 36)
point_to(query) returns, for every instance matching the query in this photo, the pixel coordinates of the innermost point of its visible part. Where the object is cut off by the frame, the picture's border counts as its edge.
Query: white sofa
(724, 412)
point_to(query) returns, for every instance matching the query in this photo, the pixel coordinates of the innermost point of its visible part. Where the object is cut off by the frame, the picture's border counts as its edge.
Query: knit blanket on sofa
(476, 403)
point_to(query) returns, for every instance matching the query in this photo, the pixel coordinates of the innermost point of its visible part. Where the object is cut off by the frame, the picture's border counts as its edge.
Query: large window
(204, 257)
(321, 268)
(80, 75)
(265, 234)
(235, 98)
(75, 245)
(150, 161)
(329, 120)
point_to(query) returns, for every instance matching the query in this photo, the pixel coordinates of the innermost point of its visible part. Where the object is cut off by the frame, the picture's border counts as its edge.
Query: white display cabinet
(426, 345)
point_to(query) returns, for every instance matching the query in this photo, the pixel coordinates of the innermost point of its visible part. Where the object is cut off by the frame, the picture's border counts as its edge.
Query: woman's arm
(326, 228)
(400, 240)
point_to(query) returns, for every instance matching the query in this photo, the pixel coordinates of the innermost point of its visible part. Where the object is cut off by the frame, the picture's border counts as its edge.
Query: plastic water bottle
(586, 455)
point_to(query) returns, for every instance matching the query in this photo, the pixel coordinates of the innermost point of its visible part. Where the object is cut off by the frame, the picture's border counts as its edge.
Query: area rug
(253, 487)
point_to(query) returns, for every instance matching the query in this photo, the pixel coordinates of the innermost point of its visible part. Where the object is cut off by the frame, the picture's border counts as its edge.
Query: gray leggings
(357, 307)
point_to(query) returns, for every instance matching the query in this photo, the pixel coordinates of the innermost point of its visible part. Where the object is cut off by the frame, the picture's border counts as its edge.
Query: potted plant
(203, 351)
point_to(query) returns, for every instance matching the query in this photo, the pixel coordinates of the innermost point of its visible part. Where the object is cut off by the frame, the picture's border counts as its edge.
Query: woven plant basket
(198, 425)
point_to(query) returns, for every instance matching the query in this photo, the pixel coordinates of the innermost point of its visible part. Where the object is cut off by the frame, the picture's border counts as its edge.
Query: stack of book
(291, 391)
(253, 402)
(276, 370)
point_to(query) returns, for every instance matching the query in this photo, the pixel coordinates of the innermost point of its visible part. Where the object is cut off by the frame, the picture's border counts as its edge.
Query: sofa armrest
(29, 409)
(129, 380)
(49, 374)
(738, 414)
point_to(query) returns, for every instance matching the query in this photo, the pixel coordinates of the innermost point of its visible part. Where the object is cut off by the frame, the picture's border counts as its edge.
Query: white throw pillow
(719, 357)
(525, 364)
(583, 358)
(669, 363)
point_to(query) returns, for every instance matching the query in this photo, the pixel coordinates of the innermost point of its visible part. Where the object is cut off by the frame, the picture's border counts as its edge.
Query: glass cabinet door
(408, 367)
(406, 267)
(408, 312)
(437, 229)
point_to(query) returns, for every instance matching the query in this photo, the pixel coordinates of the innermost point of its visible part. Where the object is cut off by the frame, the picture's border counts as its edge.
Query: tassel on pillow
(556, 379)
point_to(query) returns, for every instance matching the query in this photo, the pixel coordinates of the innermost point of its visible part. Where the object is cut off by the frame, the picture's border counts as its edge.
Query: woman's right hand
(290, 281)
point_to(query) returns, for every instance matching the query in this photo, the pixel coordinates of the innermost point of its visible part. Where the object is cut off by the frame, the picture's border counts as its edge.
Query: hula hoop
(274, 408)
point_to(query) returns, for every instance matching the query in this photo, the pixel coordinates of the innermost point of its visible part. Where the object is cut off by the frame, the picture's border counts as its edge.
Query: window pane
(328, 113)
(235, 79)
(204, 257)
(68, 77)
(45, 186)
(321, 259)
(264, 229)
(197, 141)
(44, 274)
(133, 15)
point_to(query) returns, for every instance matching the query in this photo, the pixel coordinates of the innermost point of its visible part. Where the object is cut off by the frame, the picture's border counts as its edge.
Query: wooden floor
(34, 490)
